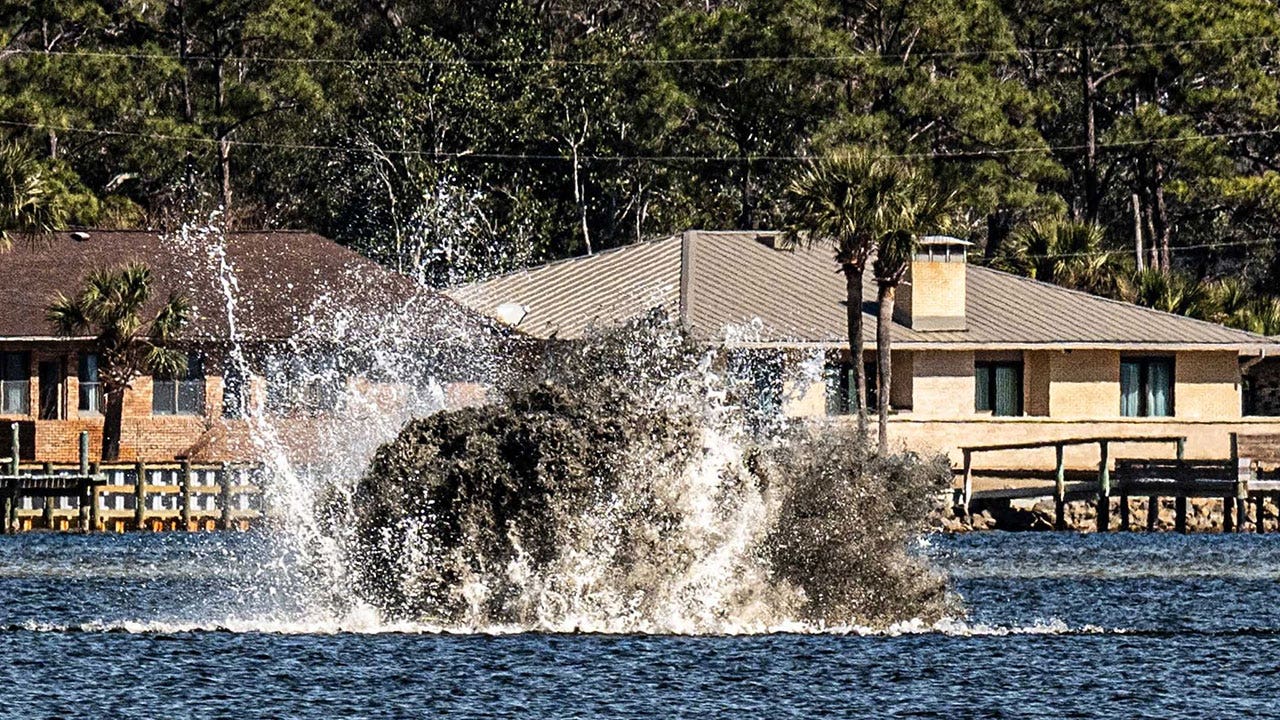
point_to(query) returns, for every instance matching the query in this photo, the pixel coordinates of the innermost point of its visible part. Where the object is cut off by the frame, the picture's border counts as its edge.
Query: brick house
(278, 319)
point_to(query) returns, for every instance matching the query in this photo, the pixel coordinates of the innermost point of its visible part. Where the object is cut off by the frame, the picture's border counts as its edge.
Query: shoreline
(1204, 515)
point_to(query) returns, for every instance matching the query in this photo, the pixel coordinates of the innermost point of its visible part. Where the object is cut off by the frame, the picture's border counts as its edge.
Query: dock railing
(1103, 487)
(93, 496)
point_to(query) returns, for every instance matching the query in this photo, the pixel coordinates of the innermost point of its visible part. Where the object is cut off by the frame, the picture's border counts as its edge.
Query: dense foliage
(449, 136)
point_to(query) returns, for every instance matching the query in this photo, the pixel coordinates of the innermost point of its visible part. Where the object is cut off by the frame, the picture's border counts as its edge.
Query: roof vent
(79, 236)
(775, 241)
(511, 313)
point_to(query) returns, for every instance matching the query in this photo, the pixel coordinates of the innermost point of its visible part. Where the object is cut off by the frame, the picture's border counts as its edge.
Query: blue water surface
(1057, 626)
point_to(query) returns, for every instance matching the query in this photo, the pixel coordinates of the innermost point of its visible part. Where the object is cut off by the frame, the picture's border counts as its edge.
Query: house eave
(1242, 348)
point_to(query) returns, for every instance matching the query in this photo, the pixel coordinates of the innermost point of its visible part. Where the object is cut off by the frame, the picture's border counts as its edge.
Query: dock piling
(966, 490)
(184, 497)
(1060, 490)
(1104, 487)
(225, 495)
(46, 510)
(140, 497)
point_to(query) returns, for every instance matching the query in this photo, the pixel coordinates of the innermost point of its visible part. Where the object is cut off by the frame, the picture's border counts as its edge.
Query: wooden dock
(1240, 481)
(92, 497)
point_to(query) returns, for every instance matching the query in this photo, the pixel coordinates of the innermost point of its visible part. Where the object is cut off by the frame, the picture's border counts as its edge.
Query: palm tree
(110, 307)
(1065, 252)
(29, 205)
(1170, 292)
(916, 206)
(837, 200)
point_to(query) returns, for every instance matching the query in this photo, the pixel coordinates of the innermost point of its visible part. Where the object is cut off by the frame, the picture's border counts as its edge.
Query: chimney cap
(943, 240)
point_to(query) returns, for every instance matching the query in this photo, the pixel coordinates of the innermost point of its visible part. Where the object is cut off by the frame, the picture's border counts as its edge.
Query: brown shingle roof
(286, 282)
(738, 287)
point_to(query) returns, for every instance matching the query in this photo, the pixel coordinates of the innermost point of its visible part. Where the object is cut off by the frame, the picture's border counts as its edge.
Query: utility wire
(1125, 252)
(779, 59)
(538, 157)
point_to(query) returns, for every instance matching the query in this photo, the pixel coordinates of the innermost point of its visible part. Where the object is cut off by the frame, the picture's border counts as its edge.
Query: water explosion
(621, 489)
(626, 483)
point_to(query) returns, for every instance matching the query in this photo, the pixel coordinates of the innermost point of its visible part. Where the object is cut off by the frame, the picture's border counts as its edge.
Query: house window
(90, 384)
(235, 396)
(306, 386)
(182, 395)
(841, 384)
(756, 382)
(15, 383)
(998, 388)
(1146, 387)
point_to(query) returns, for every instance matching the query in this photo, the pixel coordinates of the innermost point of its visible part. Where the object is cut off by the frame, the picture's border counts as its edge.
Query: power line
(568, 62)
(1130, 251)
(540, 157)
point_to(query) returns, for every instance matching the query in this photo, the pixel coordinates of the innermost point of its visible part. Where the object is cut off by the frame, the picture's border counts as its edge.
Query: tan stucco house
(980, 356)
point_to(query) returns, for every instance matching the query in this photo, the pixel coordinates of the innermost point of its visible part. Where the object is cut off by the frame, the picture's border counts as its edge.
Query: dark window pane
(1008, 391)
(1130, 387)
(982, 388)
(190, 397)
(1159, 388)
(15, 383)
(234, 397)
(163, 401)
(90, 388)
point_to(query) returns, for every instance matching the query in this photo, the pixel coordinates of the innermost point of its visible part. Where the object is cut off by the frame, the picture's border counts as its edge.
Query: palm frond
(67, 316)
(165, 361)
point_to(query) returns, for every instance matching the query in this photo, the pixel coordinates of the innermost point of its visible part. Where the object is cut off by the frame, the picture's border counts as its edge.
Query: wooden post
(1153, 512)
(966, 490)
(1228, 506)
(46, 512)
(1180, 513)
(184, 497)
(1124, 512)
(88, 498)
(11, 519)
(1244, 474)
(225, 496)
(1104, 488)
(140, 497)
(1259, 505)
(1060, 490)
(94, 470)
(15, 442)
(11, 495)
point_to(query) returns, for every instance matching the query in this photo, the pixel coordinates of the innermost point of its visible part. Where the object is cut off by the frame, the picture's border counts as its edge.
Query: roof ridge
(158, 231)
(1122, 303)
(565, 261)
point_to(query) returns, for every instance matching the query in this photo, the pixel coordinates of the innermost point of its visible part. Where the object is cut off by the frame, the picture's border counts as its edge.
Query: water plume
(621, 489)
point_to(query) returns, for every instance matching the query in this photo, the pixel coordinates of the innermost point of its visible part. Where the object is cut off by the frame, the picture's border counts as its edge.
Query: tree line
(449, 138)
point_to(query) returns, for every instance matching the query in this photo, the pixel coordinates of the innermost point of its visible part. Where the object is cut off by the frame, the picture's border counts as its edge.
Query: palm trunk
(113, 416)
(886, 297)
(853, 298)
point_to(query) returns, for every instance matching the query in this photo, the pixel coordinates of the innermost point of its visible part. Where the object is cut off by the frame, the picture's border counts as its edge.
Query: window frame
(991, 366)
(838, 379)
(193, 378)
(89, 390)
(1144, 363)
(24, 408)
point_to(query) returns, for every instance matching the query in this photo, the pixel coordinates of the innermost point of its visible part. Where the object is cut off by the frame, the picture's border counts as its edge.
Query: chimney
(934, 294)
